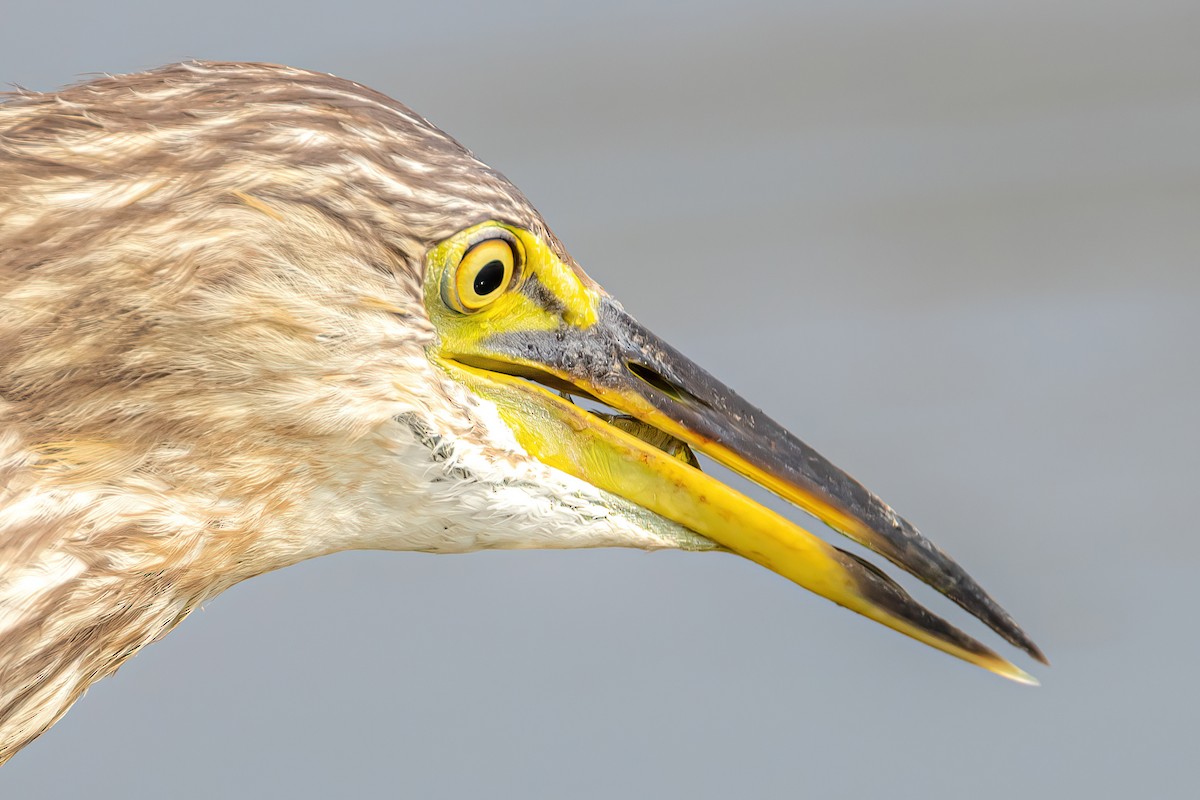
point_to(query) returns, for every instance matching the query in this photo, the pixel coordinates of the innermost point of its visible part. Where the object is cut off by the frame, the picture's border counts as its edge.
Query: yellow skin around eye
(475, 259)
(463, 330)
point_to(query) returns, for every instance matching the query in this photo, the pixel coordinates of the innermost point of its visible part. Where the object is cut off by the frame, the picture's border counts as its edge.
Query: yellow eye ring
(484, 272)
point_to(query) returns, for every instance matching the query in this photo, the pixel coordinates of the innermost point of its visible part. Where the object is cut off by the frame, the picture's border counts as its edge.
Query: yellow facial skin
(545, 325)
(513, 309)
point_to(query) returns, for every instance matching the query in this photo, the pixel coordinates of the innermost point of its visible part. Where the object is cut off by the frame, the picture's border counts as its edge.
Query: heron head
(273, 301)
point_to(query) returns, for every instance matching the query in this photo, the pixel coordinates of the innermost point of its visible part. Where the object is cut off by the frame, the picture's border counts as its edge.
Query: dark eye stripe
(536, 291)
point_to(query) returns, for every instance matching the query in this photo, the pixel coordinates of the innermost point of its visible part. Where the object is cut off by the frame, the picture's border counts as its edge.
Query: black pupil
(488, 279)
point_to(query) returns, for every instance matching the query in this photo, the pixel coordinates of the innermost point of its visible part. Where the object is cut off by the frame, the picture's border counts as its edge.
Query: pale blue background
(954, 246)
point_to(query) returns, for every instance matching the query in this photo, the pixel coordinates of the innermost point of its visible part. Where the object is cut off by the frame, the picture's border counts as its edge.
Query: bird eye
(484, 272)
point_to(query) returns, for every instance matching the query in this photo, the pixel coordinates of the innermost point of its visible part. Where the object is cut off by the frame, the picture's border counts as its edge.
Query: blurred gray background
(956, 247)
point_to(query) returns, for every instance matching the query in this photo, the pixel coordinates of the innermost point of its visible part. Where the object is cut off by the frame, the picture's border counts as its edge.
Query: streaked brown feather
(209, 280)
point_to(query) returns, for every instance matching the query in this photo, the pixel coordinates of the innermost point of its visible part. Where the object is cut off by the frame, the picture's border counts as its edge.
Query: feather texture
(212, 361)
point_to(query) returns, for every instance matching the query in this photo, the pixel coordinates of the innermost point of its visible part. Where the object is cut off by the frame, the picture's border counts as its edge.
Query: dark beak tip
(1036, 653)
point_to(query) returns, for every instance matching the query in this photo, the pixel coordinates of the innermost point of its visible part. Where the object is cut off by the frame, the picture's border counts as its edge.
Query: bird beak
(613, 359)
